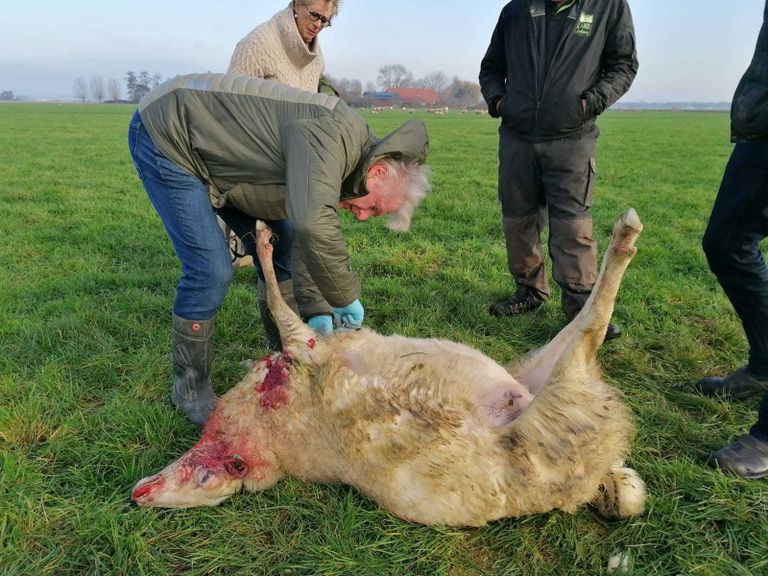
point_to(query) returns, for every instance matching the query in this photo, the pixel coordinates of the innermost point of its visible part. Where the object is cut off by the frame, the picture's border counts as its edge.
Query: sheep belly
(436, 373)
(413, 424)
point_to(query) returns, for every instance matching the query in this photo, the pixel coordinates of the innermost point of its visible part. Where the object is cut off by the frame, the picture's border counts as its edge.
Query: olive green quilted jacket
(274, 151)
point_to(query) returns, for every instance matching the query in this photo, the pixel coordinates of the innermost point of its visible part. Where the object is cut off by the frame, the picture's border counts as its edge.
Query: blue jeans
(739, 222)
(182, 202)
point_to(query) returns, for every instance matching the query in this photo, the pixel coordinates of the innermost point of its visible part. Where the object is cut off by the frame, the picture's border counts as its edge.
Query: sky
(689, 50)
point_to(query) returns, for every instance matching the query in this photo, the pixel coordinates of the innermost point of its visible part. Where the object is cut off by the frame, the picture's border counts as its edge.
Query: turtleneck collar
(297, 50)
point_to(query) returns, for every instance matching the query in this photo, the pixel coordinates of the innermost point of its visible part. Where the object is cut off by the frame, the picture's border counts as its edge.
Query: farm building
(383, 99)
(398, 97)
(416, 97)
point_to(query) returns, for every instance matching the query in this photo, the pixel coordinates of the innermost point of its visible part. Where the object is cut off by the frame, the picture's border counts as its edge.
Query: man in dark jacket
(250, 148)
(551, 68)
(738, 223)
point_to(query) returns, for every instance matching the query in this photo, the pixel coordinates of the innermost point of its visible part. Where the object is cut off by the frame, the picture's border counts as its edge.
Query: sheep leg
(577, 343)
(621, 494)
(299, 340)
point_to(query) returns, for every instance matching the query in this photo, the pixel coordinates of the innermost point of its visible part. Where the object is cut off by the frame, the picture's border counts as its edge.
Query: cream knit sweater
(274, 50)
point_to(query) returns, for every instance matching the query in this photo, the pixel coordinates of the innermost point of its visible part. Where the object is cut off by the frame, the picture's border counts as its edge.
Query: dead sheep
(434, 431)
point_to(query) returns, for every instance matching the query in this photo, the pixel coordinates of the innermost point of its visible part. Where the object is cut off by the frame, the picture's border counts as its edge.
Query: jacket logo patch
(584, 25)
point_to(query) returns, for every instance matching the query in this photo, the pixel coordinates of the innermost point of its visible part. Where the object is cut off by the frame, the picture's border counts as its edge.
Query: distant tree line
(455, 93)
(97, 90)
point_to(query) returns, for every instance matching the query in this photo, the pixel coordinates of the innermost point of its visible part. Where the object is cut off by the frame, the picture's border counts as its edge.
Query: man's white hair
(411, 179)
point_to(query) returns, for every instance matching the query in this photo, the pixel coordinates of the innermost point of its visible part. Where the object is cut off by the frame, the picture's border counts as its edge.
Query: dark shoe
(739, 384)
(524, 300)
(612, 332)
(747, 457)
(192, 355)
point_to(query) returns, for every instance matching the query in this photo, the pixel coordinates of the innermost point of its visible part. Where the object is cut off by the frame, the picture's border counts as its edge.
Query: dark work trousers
(739, 221)
(554, 181)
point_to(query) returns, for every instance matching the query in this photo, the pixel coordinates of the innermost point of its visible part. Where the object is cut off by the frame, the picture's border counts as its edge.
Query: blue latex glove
(350, 316)
(322, 324)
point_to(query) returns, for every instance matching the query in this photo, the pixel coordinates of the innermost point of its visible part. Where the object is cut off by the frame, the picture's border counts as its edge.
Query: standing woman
(284, 49)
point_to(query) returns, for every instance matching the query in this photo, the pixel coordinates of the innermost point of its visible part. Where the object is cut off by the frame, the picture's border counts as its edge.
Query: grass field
(86, 287)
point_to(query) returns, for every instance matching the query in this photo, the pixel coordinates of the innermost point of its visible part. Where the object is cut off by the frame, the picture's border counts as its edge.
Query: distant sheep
(432, 430)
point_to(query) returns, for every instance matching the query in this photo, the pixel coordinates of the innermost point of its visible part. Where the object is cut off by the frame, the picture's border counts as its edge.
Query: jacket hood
(408, 143)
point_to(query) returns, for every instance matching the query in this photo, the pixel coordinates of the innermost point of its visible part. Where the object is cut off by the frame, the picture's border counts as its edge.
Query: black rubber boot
(741, 384)
(192, 354)
(612, 331)
(271, 333)
(746, 457)
(274, 344)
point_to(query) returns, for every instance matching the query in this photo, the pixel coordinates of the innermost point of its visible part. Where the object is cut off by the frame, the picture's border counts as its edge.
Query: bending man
(209, 141)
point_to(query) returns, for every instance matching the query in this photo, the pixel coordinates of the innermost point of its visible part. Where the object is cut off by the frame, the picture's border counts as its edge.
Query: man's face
(379, 200)
(363, 207)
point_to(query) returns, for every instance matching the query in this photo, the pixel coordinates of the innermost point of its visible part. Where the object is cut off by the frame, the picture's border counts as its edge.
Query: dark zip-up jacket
(749, 109)
(594, 60)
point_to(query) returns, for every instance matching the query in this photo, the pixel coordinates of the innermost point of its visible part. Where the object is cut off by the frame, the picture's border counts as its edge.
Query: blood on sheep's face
(205, 475)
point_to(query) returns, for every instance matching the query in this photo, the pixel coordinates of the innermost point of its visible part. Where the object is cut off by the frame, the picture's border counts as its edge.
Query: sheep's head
(214, 469)
(196, 479)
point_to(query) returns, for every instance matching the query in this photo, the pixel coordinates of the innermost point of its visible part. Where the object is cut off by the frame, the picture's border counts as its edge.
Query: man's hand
(322, 324)
(350, 316)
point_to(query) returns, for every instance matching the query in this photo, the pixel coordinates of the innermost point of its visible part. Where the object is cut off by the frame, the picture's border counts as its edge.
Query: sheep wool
(433, 430)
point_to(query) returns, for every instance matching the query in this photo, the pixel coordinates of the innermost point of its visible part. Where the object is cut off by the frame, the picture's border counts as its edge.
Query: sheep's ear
(236, 467)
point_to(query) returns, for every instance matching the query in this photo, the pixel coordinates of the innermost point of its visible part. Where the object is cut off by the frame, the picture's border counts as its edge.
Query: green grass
(87, 282)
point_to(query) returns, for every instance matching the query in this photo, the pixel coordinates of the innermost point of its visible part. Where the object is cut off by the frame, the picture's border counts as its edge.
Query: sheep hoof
(621, 494)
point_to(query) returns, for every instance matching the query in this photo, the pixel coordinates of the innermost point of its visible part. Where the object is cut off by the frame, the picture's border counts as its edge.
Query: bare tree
(437, 81)
(351, 91)
(80, 89)
(394, 76)
(348, 89)
(463, 94)
(370, 86)
(114, 90)
(97, 88)
(140, 84)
